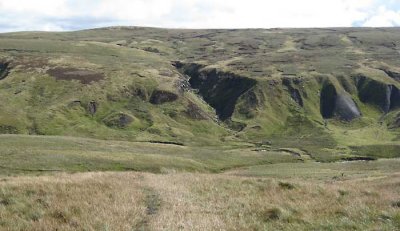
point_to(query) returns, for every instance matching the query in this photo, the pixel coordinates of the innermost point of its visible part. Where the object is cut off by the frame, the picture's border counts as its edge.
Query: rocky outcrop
(4, 70)
(345, 107)
(328, 101)
(394, 98)
(92, 107)
(219, 89)
(161, 96)
(337, 103)
(222, 90)
(293, 92)
(383, 95)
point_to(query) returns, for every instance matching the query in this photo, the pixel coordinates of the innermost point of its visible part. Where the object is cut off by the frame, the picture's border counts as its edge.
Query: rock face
(394, 98)
(294, 92)
(161, 96)
(337, 103)
(383, 95)
(328, 101)
(4, 70)
(219, 89)
(345, 107)
(92, 107)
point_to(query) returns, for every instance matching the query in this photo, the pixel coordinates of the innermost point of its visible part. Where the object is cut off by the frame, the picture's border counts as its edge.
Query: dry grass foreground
(193, 201)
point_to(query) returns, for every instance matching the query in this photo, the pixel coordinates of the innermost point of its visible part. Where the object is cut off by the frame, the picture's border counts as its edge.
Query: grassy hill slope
(326, 91)
(129, 128)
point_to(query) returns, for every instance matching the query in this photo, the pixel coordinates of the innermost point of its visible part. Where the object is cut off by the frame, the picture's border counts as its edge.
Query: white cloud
(131, 10)
(76, 14)
(41, 7)
(383, 18)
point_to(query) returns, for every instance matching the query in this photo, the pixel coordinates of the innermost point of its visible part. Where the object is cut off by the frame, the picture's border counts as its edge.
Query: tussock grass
(212, 202)
(323, 171)
(90, 201)
(360, 200)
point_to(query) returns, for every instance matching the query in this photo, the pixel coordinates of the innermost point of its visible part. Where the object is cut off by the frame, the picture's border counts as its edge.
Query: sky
(67, 15)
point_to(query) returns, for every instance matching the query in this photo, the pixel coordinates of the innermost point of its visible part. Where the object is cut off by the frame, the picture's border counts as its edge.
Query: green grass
(324, 171)
(283, 171)
(378, 151)
(51, 154)
(44, 154)
(35, 103)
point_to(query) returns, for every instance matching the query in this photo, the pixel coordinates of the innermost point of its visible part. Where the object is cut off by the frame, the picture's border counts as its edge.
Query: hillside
(328, 92)
(130, 128)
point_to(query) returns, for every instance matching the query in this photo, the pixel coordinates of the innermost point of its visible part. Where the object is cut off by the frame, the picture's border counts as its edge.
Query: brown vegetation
(84, 76)
(190, 201)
